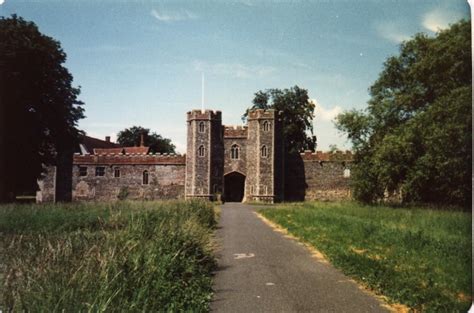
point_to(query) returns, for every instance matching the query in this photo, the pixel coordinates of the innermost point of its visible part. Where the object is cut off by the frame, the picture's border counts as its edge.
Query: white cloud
(234, 69)
(323, 114)
(325, 130)
(392, 32)
(173, 16)
(438, 19)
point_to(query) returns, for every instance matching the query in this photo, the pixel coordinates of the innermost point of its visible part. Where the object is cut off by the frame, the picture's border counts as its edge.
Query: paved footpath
(262, 271)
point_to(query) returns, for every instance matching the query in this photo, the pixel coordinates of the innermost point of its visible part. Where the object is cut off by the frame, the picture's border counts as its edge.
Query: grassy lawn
(123, 257)
(417, 257)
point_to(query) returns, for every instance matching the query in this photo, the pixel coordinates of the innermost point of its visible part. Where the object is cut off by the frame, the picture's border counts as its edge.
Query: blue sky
(140, 62)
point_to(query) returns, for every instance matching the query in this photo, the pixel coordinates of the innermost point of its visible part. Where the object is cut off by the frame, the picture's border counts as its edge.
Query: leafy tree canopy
(297, 112)
(40, 107)
(414, 139)
(132, 136)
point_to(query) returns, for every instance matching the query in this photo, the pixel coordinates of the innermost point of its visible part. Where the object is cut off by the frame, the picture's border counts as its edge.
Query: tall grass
(124, 256)
(418, 257)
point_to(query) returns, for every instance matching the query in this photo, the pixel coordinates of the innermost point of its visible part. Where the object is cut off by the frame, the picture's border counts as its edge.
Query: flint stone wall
(319, 176)
(166, 174)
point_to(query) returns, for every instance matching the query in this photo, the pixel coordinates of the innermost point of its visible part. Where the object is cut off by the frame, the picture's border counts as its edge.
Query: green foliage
(122, 256)
(41, 108)
(297, 112)
(131, 137)
(414, 139)
(415, 256)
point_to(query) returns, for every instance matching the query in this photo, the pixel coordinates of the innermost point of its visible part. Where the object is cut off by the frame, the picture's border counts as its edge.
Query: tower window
(264, 151)
(145, 177)
(234, 152)
(201, 151)
(116, 172)
(266, 126)
(82, 170)
(100, 171)
(201, 127)
(347, 173)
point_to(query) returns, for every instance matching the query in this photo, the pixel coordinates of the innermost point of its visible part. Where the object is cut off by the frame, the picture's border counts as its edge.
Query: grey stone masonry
(204, 157)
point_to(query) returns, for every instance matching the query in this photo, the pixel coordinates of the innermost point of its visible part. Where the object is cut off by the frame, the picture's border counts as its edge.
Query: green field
(122, 256)
(417, 257)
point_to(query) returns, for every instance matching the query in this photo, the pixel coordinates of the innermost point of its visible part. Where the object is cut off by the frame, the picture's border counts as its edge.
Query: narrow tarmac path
(262, 271)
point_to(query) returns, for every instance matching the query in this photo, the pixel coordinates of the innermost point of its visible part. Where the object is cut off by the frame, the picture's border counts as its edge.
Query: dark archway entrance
(234, 184)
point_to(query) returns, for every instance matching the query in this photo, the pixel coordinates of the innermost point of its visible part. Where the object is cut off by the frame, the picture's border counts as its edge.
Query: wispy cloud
(234, 69)
(325, 114)
(438, 19)
(391, 31)
(106, 48)
(167, 16)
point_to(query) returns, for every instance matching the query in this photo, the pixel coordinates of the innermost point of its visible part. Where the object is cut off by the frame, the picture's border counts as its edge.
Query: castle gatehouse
(237, 163)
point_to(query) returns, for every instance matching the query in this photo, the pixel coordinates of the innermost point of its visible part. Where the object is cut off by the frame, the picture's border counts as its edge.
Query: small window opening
(201, 151)
(117, 172)
(266, 126)
(145, 177)
(347, 173)
(264, 151)
(82, 170)
(201, 127)
(234, 152)
(100, 171)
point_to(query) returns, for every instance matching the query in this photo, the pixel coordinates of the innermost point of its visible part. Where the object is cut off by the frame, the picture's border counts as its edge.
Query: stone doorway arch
(234, 187)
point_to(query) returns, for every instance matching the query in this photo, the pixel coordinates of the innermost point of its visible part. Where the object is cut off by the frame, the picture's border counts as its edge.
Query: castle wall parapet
(203, 115)
(235, 131)
(261, 114)
(327, 156)
(131, 159)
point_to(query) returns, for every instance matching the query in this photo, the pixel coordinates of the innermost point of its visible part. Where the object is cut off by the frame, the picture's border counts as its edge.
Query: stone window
(266, 126)
(264, 151)
(201, 151)
(82, 170)
(116, 172)
(347, 173)
(234, 152)
(145, 177)
(201, 127)
(100, 171)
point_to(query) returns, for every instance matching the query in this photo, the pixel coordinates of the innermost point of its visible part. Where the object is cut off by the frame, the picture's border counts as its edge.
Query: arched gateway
(234, 186)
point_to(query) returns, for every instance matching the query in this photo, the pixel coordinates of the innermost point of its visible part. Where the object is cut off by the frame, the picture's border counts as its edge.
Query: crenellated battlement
(261, 114)
(308, 155)
(130, 158)
(235, 131)
(204, 115)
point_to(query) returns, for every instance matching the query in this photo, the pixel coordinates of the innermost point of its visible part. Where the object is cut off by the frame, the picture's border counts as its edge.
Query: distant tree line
(414, 138)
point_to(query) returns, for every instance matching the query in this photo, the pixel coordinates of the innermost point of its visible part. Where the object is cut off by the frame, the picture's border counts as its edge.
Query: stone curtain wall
(165, 177)
(318, 176)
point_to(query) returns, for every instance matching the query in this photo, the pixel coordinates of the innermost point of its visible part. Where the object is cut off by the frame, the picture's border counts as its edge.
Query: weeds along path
(122, 256)
(259, 270)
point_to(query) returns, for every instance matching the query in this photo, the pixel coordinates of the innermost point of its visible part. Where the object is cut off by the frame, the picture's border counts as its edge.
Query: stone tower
(264, 157)
(205, 154)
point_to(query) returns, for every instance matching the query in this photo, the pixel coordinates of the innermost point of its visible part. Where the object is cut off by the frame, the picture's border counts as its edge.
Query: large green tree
(297, 112)
(414, 138)
(132, 136)
(40, 108)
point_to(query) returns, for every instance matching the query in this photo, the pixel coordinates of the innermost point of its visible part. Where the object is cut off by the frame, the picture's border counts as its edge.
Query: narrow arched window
(145, 177)
(264, 151)
(266, 126)
(201, 127)
(234, 152)
(201, 151)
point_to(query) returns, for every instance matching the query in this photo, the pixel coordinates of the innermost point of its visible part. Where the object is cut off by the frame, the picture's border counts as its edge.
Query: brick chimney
(142, 140)
(107, 138)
